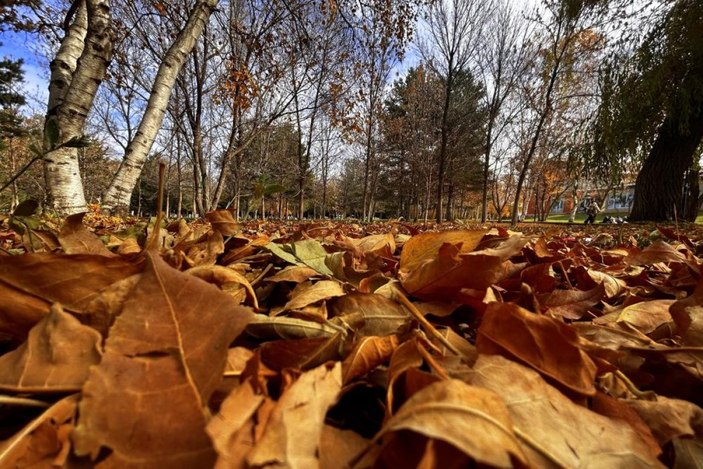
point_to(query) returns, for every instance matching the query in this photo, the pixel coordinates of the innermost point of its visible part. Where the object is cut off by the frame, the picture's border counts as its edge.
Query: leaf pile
(219, 344)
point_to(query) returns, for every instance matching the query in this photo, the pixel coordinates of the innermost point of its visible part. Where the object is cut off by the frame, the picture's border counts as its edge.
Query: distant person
(592, 211)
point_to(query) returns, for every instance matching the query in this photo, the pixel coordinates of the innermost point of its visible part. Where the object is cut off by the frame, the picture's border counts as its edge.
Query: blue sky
(18, 46)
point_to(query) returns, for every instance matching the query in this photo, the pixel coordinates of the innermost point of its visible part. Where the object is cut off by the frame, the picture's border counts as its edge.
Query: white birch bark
(76, 73)
(118, 194)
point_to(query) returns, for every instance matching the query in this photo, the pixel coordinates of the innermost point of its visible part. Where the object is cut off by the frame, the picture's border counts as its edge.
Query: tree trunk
(443, 143)
(76, 73)
(122, 185)
(660, 181)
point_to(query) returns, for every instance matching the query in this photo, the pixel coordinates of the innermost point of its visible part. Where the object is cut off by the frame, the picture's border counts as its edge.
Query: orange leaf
(544, 343)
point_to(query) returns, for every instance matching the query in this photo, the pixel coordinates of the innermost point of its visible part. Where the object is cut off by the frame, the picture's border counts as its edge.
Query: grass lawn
(580, 217)
(564, 218)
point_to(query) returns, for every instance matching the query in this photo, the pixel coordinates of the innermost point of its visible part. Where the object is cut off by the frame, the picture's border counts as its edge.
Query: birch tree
(118, 194)
(77, 70)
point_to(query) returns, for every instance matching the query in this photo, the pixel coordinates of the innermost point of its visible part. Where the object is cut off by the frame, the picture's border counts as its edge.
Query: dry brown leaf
(129, 246)
(647, 316)
(544, 343)
(424, 247)
(223, 222)
(293, 273)
(617, 409)
(229, 280)
(167, 350)
(75, 238)
(442, 274)
(658, 251)
(44, 442)
(670, 418)
(237, 358)
(308, 293)
(292, 436)
(55, 358)
(571, 304)
(406, 358)
(614, 287)
(231, 436)
(372, 314)
(553, 431)
(689, 453)
(688, 315)
(302, 353)
(467, 350)
(472, 419)
(366, 355)
(30, 283)
(281, 327)
(379, 245)
(206, 250)
(339, 447)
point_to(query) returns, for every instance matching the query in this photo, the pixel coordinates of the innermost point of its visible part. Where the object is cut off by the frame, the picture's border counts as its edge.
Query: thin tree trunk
(122, 185)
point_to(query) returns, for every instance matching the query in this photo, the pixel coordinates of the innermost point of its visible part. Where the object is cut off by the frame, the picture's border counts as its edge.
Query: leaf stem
(417, 314)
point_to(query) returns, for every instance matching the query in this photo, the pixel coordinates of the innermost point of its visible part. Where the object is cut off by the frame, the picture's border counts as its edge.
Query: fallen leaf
(281, 327)
(229, 280)
(647, 316)
(44, 442)
(237, 358)
(367, 354)
(301, 353)
(308, 293)
(689, 453)
(373, 314)
(424, 247)
(617, 409)
(474, 420)
(688, 316)
(613, 287)
(452, 269)
(54, 358)
(30, 283)
(75, 238)
(406, 358)
(307, 252)
(292, 436)
(670, 418)
(228, 428)
(339, 447)
(552, 430)
(571, 304)
(546, 344)
(658, 251)
(166, 350)
(293, 273)
(223, 222)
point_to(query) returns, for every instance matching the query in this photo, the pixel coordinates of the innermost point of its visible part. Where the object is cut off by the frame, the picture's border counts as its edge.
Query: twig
(646, 395)
(23, 401)
(262, 274)
(159, 207)
(417, 314)
(21, 172)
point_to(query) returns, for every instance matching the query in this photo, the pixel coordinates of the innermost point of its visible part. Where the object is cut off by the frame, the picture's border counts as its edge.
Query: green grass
(580, 217)
(564, 218)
